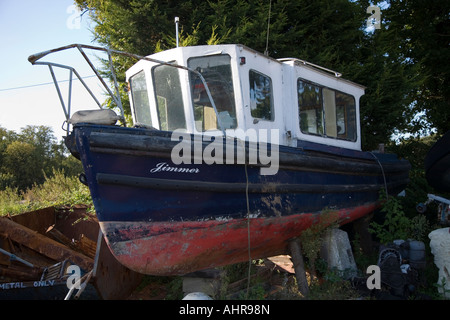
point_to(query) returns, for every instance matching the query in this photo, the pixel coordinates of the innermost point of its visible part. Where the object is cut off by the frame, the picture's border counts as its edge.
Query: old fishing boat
(232, 154)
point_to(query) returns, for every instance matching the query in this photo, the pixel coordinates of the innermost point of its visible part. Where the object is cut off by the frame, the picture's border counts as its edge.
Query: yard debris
(37, 248)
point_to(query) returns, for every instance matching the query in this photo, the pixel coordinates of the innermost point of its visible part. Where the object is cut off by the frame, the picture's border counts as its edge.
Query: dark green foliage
(423, 28)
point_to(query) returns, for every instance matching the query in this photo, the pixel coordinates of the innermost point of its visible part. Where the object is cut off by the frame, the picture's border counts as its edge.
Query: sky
(28, 27)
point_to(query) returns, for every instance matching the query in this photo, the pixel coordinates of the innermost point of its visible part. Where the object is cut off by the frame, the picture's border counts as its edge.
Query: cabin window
(261, 97)
(169, 100)
(310, 108)
(139, 95)
(345, 116)
(326, 112)
(216, 70)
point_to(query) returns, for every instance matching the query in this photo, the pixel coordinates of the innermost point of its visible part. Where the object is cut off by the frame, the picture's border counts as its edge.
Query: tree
(390, 81)
(20, 164)
(43, 140)
(424, 30)
(28, 157)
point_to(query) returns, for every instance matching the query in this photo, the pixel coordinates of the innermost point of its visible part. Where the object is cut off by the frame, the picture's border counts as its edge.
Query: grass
(58, 190)
(11, 202)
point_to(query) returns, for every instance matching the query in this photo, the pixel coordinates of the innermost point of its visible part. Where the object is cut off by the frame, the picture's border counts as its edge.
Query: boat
(437, 164)
(232, 155)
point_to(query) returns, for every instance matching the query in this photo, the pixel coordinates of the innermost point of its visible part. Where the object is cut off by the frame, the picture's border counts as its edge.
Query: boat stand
(299, 266)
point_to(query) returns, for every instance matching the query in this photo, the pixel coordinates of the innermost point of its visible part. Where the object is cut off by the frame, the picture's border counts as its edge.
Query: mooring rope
(248, 218)
(382, 171)
(248, 231)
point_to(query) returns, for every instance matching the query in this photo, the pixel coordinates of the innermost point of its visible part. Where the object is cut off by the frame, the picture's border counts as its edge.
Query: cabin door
(261, 80)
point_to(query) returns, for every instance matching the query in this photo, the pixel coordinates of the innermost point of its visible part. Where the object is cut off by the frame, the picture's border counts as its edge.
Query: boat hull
(177, 248)
(161, 218)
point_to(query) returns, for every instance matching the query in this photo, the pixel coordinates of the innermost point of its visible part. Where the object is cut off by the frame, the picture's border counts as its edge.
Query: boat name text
(163, 166)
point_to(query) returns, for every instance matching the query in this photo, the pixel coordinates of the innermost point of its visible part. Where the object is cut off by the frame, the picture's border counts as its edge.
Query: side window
(216, 70)
(169, 99)
(326, 112)
(261, 96)
(139, 95)
(310, 108)
(345, 116)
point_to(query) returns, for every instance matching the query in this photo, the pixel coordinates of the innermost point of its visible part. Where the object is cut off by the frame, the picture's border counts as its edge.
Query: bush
(11, 202)
(58, 190)
(396, 225)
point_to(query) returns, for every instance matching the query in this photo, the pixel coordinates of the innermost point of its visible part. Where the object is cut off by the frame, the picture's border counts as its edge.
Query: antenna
(177, 19)
(266, 52)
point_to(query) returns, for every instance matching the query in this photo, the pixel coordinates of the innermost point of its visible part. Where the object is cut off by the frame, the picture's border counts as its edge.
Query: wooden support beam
(299, 266)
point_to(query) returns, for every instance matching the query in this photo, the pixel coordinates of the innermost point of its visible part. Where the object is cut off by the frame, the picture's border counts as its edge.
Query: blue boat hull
(141, 197)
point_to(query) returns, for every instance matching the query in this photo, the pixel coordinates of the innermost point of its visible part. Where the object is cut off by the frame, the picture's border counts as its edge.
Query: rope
(266, 52)
(382, 171)
(248, 231)
(248, 218)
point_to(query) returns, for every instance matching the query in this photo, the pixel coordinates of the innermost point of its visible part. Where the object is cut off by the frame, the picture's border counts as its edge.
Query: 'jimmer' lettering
(163, 166)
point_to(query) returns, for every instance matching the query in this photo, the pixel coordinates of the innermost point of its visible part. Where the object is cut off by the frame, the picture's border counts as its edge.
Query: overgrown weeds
(312, 238)
(397, 225)
(57, 190)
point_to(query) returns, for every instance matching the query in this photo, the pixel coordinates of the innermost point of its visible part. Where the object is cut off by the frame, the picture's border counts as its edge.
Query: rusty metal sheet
(38, 220)
(112, 279)
(42, 244)
(32, 230)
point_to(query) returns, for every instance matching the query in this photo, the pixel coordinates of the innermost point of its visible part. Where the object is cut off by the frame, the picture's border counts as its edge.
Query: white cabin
(250, 91)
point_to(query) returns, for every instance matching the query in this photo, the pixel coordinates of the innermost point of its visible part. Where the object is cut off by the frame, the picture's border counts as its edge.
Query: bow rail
(34, 60)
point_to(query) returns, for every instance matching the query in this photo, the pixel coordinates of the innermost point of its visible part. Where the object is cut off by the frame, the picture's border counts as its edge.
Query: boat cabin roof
(233, 89)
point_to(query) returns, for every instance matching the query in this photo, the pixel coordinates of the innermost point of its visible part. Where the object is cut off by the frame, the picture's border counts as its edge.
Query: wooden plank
(284, 262)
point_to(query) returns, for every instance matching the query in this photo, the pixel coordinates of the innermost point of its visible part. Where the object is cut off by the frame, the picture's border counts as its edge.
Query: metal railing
(34, 59)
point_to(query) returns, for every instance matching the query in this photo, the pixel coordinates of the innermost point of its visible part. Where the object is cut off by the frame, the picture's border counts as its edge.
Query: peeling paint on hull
(177, 248)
